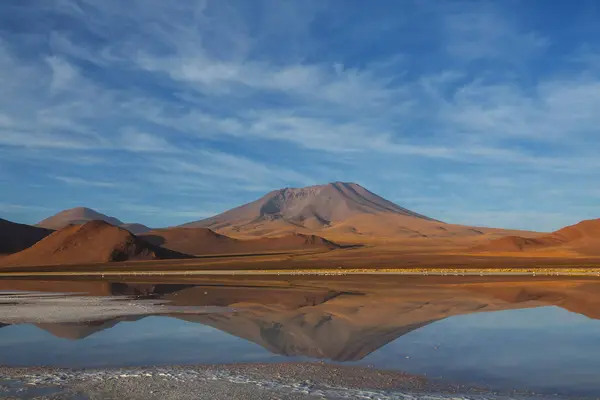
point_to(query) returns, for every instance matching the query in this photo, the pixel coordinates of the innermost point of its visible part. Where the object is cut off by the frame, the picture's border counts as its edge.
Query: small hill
(92, 242)
(136, 229)
(17, 237)
(582, 239)
(292, 241)
(513, 243)
(194, 241)
(200, 241)
(76, 216)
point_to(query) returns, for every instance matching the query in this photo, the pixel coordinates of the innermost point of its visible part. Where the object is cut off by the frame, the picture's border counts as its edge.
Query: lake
(512, 333)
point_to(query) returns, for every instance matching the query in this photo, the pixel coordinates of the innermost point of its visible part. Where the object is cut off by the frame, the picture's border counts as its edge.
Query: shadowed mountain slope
(136, 229)
(17, 237)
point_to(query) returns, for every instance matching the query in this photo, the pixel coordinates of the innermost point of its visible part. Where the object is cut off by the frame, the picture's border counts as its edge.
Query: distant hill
(582, 238)
(81, 215)
(199, 241)
(136, 229)
(76, 216)
(92, 242)
(16, 237)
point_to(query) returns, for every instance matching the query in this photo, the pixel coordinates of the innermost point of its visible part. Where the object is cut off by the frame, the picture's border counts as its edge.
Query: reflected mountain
(339, 322)
(81, 330)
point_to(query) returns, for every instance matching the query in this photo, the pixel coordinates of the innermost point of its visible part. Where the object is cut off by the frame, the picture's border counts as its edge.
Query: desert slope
(17, 237)
(200, 241)
(93, 242)
(581, 239)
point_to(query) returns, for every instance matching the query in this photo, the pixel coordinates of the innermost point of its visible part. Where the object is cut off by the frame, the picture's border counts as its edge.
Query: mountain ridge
(90, 243)
(582, 238)
(16, 237)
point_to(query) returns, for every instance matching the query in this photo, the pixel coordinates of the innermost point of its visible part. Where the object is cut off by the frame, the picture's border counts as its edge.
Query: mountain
(314, 206)
(582, 238)
(81, 330)
(81, 215)
(200, 241)
(76, 216)
(17, 237)
(92, 242)
(342, 212)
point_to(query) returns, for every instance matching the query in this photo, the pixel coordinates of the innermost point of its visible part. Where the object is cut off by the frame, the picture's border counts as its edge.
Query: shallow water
(503, 336)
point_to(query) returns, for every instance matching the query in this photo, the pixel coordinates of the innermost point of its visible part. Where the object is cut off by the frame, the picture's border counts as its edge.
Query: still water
(539, 336)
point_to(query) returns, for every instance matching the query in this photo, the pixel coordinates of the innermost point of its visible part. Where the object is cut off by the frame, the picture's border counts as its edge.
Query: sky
(473, 112)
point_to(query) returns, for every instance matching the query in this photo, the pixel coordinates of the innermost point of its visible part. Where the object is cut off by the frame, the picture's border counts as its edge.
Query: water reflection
(527, 334)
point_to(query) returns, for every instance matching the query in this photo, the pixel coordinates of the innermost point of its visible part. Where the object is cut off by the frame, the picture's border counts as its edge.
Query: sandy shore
(243, 381)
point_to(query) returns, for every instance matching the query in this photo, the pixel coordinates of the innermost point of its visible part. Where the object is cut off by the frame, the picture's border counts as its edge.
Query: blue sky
(473, 112)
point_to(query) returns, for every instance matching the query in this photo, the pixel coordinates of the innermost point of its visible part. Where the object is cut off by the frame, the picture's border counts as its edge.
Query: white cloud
(63, 74)
(40, 140)
(20, 208)
(483, 31)
(136, 141)
(147, 209)
(212, 170)
(70, 180)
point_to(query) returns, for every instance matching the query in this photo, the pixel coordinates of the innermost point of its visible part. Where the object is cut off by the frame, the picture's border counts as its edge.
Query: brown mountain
(16, 237)
(199, 241)
(338, 211)
(313, 207)
(579, 239)
(81, 215)
(92, 242)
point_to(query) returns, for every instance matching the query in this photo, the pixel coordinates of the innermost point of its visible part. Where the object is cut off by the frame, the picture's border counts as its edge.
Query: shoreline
(240, 381)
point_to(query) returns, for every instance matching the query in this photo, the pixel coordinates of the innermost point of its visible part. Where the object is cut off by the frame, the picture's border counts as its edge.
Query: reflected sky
(149, 341)
(543, 348)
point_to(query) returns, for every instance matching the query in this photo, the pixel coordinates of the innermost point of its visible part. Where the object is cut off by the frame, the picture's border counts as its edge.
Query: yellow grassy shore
(575, 271)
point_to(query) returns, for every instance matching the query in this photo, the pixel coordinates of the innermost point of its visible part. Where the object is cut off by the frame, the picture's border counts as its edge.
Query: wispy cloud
(132, 140)
(84, 182)
(20, 208)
